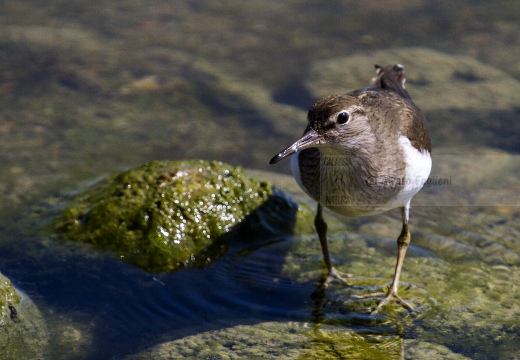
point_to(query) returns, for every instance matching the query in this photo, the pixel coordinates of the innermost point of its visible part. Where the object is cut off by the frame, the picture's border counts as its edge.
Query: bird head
(335, 123)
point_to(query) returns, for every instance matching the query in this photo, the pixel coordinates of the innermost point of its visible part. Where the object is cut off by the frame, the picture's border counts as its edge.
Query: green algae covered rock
(166, 215)
(23, 332)
(9, 300)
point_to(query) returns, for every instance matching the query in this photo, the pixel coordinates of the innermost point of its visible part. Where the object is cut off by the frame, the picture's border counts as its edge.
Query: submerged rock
(23, 333)
(292, 340)
(437, 80)
(9, 300)
(163, 216)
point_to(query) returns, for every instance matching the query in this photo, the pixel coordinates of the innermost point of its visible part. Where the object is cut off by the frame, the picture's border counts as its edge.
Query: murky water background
(90, 88)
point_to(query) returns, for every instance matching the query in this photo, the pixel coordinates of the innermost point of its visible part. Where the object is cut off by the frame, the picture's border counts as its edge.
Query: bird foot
(386, 298)
(336, 276)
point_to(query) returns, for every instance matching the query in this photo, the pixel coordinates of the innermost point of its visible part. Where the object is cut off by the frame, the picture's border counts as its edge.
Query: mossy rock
(165, 215)
(23, 332)
(9, 301)
(293, 340)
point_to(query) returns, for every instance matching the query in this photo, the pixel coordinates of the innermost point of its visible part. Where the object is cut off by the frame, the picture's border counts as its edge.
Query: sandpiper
(364, 153)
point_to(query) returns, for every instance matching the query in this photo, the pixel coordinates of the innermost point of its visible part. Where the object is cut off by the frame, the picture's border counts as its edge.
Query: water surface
(88, 89)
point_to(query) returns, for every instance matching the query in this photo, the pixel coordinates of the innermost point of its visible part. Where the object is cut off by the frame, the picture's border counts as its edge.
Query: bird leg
(321, 228)
(402, 245)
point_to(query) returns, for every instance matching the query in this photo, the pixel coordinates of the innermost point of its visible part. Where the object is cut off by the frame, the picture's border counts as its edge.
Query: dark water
(124, 308)
(90, 88)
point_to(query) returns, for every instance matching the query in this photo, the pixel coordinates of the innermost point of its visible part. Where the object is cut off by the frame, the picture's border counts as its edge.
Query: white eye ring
(343, 117)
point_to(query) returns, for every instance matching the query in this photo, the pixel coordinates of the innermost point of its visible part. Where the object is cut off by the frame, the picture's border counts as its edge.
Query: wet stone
(164, 216)
(9, 301)
(293, 340)
(23, 333)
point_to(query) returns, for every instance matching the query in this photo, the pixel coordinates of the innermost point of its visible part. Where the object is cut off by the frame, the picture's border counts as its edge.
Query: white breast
(295, 169)
(418, 167)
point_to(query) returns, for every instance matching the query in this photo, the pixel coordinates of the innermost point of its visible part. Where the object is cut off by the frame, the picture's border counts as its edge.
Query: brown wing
(398, 115)
(387, 96)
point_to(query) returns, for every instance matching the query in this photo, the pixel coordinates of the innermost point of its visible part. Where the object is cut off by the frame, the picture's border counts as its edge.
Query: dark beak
(309, 139)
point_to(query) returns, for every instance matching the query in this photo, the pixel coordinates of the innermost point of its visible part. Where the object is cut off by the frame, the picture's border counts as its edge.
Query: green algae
(292, 340)
(9, 299)
(165, 215)
(23, 333)
(341, 344)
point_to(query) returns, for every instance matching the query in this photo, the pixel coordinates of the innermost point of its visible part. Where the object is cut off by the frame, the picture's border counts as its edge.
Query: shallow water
(88, 90)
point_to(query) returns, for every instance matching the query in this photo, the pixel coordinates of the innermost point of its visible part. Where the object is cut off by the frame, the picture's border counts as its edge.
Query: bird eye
(343, 117)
